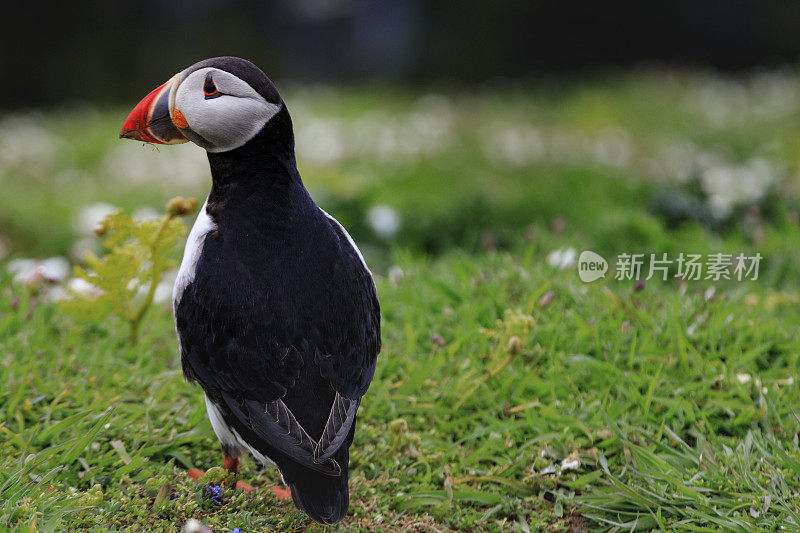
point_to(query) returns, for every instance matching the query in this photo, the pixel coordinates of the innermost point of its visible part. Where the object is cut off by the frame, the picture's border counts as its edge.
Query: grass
(509, 395)
(463, 427)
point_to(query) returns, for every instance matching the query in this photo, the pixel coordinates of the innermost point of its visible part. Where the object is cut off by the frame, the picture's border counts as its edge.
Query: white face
(223, 120)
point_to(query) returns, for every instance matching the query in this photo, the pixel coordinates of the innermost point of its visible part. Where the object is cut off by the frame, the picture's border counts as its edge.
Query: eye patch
(209, 89)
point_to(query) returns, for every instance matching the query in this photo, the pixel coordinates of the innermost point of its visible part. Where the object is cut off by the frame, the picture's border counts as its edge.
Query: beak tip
(137, 135)
(150, 120)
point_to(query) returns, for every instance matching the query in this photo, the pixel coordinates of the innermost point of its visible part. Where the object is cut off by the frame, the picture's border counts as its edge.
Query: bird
(276, 311)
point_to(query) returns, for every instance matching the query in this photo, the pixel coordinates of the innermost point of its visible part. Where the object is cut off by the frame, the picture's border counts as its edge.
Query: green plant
(127, 276)
(619, 410)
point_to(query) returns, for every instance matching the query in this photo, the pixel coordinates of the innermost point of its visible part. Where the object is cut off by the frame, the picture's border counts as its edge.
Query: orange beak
(151, 121)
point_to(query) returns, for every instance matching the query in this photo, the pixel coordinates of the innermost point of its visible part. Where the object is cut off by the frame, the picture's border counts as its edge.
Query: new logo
(591, 266)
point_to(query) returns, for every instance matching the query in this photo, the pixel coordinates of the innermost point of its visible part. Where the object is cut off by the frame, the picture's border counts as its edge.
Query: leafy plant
(125, 279)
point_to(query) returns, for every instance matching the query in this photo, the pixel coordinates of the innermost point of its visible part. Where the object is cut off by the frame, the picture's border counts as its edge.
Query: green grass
(678, 408)
(509, 395)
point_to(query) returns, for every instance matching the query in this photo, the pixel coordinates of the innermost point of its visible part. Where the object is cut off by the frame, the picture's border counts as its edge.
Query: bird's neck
(267, 157)
(260, 175)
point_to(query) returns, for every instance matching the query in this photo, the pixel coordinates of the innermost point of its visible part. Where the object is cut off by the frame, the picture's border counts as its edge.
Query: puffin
(276, 311)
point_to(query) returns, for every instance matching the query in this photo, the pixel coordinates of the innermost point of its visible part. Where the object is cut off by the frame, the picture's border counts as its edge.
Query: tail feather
(324, 498)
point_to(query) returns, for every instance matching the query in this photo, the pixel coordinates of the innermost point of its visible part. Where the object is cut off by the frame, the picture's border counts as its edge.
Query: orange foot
(241, 485)
(194, 473)
(281, 493)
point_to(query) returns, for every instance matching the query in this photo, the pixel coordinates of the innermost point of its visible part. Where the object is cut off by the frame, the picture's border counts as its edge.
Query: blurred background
(430, 126)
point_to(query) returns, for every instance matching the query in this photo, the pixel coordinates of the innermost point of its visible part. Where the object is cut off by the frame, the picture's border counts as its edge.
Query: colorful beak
(151, 119)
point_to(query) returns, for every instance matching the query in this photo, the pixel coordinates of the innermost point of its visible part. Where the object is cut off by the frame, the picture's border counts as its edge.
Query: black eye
(209, 89)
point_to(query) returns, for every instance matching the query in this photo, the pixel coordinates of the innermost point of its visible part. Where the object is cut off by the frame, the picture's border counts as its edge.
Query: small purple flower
(236, 530)
(215, 494)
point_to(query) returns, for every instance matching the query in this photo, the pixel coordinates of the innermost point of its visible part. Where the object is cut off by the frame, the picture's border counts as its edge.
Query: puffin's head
(219, 103)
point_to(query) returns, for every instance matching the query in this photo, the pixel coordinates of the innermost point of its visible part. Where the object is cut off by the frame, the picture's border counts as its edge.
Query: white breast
(191, 254)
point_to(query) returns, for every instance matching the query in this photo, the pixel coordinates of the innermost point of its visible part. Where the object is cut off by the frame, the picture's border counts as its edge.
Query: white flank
(229, 437)
(223, 432)
(191, 254)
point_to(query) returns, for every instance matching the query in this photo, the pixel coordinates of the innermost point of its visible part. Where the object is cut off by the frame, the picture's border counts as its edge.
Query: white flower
(320, 140)
(613, 148)
(144, 213)
(550, 469)
(54, 269)
(89, 217)
(571, 462)
(195, 526)
(81, 286)
(384, 220)
(163, 292)
(563, 258)
(84, 245)
(395, 274)
(515, 145)
(428, 128)
(730, 185)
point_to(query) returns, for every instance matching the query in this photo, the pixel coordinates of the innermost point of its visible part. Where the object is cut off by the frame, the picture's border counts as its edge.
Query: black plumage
(280, 324)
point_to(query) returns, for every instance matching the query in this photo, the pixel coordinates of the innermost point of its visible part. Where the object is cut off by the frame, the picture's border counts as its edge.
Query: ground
(510, 395)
